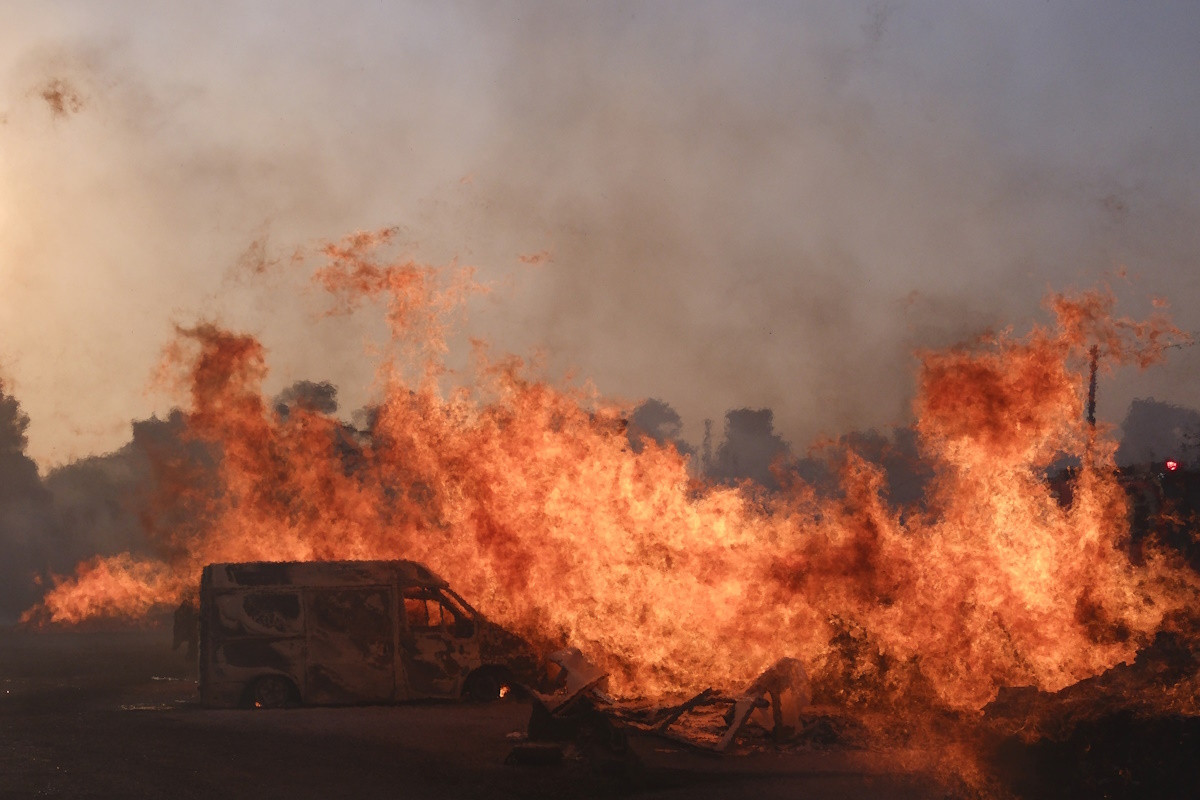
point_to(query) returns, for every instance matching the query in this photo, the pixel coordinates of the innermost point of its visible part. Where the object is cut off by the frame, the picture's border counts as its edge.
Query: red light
(1172, 466)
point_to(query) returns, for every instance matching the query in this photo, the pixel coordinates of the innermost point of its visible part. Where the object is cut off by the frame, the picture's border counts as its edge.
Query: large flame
(529, 499)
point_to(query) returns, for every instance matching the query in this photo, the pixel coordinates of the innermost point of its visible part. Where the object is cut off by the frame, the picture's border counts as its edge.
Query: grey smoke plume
(719, 204)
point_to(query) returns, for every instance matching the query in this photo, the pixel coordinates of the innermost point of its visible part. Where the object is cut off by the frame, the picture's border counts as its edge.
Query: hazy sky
(747, 204)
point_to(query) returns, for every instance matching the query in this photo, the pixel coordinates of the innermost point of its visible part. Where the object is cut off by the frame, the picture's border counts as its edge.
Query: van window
(425, 612)
(416, 611)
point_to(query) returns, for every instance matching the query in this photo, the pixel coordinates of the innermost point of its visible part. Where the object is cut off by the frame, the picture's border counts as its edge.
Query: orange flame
(528, 498)
(119, 586)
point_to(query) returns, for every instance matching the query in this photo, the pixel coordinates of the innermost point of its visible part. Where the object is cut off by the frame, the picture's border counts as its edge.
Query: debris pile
(582, 720)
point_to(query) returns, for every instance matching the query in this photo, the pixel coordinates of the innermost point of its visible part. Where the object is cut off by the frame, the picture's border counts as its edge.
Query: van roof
(318, 573)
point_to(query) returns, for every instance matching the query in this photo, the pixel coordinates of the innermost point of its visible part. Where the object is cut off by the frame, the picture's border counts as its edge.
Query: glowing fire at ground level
(530, 500)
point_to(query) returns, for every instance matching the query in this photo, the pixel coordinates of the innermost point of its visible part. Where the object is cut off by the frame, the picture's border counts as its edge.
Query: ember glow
(529, 499)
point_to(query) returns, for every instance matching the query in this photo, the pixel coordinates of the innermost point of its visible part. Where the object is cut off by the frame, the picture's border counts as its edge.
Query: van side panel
(350, 645)
(246, 634)
(340, 631)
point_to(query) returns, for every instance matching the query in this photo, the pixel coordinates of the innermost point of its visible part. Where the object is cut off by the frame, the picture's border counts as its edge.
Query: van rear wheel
(271, 691)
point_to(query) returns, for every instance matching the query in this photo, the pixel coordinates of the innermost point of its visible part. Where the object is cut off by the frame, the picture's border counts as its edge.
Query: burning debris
(590, 723)
(712, 719)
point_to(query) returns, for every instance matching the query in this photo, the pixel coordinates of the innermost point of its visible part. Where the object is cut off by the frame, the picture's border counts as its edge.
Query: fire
(529, 499)
(129, 586)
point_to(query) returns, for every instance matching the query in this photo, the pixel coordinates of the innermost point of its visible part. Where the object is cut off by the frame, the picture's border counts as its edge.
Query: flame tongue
(529, 499)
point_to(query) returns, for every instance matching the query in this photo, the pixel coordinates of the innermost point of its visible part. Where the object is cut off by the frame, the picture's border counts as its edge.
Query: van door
(439, 648)
(349, 645)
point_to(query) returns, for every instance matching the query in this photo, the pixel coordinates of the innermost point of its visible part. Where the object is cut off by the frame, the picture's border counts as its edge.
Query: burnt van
(274, 634)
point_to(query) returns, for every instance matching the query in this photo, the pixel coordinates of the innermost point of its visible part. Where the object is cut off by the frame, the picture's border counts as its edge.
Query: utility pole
(1091, 404)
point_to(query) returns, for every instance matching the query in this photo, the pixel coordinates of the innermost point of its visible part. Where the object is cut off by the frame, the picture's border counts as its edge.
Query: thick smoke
(721, 206)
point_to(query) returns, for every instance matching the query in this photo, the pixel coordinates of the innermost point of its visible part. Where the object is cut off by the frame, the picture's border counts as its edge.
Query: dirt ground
(115, 714)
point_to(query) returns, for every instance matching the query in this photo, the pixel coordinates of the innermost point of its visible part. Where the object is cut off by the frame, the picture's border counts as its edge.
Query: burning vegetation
(531, 499)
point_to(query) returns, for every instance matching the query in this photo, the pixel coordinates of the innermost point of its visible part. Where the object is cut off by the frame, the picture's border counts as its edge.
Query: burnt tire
(271, 691)
(484, 685)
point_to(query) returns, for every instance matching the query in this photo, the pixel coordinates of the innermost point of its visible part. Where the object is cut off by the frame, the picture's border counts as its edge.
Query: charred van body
(345, 632)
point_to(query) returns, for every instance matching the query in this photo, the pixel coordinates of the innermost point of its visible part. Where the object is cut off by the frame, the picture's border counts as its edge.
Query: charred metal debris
(582, 719)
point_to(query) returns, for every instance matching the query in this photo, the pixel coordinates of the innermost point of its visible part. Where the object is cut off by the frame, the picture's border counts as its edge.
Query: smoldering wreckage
(278, 634)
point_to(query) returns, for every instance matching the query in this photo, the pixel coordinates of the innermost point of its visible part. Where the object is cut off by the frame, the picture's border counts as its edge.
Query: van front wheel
(271, 691)
(484, 685)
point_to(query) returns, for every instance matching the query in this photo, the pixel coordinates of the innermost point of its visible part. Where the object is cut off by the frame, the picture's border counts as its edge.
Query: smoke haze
(723, 205)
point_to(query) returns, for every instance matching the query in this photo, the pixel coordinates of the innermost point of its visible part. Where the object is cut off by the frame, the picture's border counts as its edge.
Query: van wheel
(484, 685)
(271, 691)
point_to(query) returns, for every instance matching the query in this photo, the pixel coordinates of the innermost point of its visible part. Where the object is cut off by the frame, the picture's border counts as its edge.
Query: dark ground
(115, 714)
(1129, 733)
